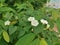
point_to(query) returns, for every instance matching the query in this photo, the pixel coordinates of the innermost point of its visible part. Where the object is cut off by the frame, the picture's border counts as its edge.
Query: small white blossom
(34, 23)
(7, 22)
(31, 18)
(32, 30)
(44, 21)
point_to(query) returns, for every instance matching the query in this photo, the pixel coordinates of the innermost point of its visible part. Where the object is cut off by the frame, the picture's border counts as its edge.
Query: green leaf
(55, 14)
(21, 33)
(2, 42)
(25, 40)
(6, 36)
(58, 24)
(12, 29)
(2, 25)
(8, 15)
(57, 43)
(2, 1)
(8, 9)
(1, 30)
(38, 29)
(35, 42)
(43, 42)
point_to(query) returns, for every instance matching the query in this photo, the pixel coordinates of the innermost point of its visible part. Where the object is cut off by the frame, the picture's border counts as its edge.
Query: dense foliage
(17, 29)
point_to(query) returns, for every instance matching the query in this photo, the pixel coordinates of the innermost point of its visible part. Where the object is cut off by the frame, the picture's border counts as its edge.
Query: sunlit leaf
(25, 40)
(6, 36)
(43, 42)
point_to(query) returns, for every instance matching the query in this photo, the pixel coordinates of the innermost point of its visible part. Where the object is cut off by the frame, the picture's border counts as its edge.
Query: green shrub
(28, 22)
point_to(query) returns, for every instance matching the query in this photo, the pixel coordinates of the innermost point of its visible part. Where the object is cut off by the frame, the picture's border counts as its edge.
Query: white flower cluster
(35, 22)
(45, 22)
(7, 22)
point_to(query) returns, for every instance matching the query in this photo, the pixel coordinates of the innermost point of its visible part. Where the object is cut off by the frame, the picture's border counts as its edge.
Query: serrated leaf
(6, 36)
(25, 40)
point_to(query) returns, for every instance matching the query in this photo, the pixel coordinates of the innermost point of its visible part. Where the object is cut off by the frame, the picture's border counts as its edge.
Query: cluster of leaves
(20, 32)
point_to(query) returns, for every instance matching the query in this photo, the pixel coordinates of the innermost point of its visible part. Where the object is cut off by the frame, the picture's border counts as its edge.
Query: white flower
(31, 18)
(32, 30)
(44, 21)
(7, 23)
(34, 23)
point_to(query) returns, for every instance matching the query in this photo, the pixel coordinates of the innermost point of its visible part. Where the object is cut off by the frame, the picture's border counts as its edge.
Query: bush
(28, 22)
